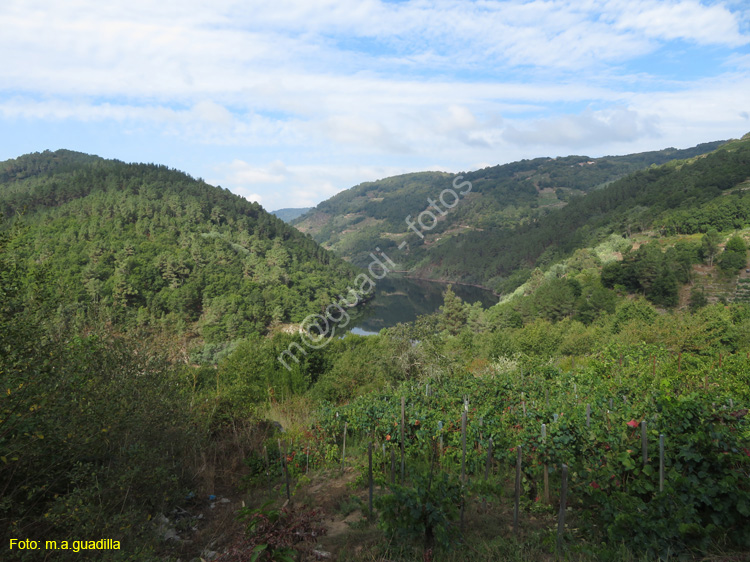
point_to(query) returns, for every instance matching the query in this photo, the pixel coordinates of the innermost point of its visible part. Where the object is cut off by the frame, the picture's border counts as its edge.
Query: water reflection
(399, 299)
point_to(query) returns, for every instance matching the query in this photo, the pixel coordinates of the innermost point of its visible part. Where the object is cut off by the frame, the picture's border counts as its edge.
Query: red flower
(387, 437)
(595, 485)
(633, 423)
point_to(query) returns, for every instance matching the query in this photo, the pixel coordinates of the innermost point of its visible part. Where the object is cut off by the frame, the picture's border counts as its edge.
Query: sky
(288, 102)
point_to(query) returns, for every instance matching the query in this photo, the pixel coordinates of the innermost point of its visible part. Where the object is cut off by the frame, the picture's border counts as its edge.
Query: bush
(706, 497)
(425, 512)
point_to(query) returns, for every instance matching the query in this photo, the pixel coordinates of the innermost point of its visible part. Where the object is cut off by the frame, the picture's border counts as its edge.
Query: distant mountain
(500, 200)
(288, 215)
(143, 246)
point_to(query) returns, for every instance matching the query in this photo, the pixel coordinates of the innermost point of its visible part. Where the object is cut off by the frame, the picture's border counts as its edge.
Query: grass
(295, 415)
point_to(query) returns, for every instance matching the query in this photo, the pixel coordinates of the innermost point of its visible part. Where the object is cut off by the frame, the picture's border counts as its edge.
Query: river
(401, 299)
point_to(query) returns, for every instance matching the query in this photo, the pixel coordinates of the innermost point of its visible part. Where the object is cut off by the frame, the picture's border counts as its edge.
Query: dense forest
(145, 247)
(143, 399)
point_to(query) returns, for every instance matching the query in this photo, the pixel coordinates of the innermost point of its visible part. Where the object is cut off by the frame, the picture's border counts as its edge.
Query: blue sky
(291, 101)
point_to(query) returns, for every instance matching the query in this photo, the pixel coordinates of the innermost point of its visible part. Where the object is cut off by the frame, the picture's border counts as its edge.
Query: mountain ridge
(502, 198)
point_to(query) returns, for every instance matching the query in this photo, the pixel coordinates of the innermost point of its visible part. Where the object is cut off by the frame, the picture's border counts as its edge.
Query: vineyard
(655, 448)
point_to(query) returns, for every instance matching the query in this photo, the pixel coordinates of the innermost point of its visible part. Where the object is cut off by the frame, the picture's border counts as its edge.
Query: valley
(600, 385)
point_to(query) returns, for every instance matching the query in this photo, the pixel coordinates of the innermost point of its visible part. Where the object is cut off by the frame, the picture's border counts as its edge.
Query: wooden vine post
(393, 467)
(369, 463)
(463, 446)
(286, 473)
(463, 462)
(488, 465)
(563, 507)
(343, 449)
(403, 438)
(268, 468)
(440, 438)
(517, 504)
(545, 469)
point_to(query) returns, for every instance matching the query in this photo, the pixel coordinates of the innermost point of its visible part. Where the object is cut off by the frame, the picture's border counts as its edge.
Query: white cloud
(586, 129)
(241, 173)
(188, 50)
(685, 19)
(251, 196)
(278, 186)
(400, 86)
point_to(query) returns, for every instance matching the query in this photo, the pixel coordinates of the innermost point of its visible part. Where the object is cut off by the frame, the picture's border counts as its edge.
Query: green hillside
(373, 214)
(627, 339)
(640, 202)
(146, 247)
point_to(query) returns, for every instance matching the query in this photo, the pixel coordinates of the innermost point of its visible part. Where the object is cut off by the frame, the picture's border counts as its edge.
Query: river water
(400, 299)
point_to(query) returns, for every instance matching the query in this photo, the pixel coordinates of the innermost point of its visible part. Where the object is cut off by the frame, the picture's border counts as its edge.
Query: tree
(710, 246)
(454, 315)
(664, 291)
(735, 254)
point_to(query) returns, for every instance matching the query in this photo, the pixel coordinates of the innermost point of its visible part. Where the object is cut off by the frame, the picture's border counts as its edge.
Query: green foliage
(704, 500)
(734, 256)
(149, 248)
(710, 245)
(358, 364)
(540, 338)
(424, 511)
(454, 313)
(613, 496)
(95, 438)
(653, 273)
(97, 433)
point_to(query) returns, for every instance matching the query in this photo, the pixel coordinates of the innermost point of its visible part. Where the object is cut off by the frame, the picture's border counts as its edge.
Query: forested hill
(708, 191)
(373, 214)
(145, 246)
